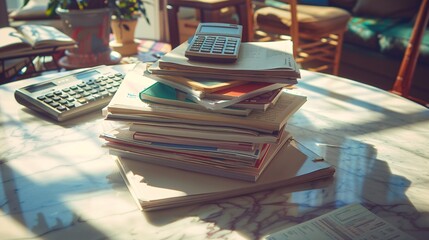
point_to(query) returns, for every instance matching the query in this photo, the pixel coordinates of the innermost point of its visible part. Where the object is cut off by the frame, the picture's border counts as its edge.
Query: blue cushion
(394, 41)
(365, 31)
(315, 2)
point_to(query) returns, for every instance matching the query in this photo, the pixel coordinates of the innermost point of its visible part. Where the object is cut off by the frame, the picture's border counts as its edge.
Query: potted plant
(124, 22)
(88, 23)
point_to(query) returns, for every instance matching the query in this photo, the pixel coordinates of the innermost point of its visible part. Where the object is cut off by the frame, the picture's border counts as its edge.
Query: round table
(58, 182)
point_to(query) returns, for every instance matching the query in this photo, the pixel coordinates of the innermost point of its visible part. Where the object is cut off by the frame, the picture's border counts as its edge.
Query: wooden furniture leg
(405, 75)
(173, 25)
(245, 14)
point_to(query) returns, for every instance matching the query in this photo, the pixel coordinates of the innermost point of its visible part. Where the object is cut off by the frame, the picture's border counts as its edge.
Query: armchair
(316, 31)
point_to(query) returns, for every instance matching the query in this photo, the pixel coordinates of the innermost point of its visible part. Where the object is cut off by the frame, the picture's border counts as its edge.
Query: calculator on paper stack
(215, 42)
(72, 95)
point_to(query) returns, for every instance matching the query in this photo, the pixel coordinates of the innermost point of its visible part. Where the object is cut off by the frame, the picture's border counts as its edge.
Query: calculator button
(57, 92)
(73, 87)
(61, 108)
(104, 94)
(64, 96)
(77, 96)
(62, 101)
(79, 91)
(72, 93)
(54, 104)
(50, 95)
(113, 90)
(81, 85)
(56, 98)
(48, 100)
(86, 94)
(41, 98)
(66, 90)
(87, 88)
(70, 99)
(70, 105)
(90, 98)
(82, 100)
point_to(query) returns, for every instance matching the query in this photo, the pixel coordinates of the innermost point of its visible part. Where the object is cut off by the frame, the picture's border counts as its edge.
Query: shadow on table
(359, 178)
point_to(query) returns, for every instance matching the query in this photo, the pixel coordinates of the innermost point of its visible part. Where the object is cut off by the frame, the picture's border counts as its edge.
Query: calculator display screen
(222, 30)
(87, 74)
(38, 87)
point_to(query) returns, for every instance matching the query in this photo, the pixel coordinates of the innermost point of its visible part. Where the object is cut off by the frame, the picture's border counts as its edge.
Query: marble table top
(57, 182)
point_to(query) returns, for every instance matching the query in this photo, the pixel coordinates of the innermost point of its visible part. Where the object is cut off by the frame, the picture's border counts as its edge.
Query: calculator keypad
(82, 93)
(215, 44)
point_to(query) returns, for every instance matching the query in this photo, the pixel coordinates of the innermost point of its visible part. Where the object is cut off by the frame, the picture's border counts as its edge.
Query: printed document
(349, 222)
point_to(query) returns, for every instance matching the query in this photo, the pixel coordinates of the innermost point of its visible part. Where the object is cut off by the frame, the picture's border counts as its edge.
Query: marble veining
(57, 182)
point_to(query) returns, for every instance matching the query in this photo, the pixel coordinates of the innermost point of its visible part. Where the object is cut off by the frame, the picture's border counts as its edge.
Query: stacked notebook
(188, 139)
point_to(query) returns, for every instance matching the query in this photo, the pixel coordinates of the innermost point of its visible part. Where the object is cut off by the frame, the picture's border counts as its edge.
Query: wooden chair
(209, 12)
(316, 31)
(405, 75)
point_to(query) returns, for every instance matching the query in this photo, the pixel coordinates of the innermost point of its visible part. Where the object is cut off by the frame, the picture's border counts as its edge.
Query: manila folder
(159, 187)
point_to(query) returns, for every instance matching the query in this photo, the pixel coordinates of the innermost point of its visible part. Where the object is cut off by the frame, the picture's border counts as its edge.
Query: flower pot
(90, 29)
(123, 31)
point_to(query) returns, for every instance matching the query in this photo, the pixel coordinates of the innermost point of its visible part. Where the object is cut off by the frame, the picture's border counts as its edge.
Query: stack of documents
(172, 156)
(254, 81)
(227, 145)
(218, 137)
(258, 61)
(156, 187)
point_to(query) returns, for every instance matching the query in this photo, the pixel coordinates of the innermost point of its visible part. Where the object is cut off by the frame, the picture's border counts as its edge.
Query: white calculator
(72, 95)
(215, 42)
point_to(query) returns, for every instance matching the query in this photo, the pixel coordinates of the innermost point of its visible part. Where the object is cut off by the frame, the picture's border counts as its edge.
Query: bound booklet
(258, 61)
(32, 39)
(161, 93)
(248, 95)
(126, 101)
(246, 165)
(196, 86)
(159, 187)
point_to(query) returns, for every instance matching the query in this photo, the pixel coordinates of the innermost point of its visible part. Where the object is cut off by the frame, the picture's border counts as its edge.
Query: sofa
(375, 41)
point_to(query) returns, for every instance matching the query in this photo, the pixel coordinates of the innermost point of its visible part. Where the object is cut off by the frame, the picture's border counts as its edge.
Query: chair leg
(337, 57)
(173, 25)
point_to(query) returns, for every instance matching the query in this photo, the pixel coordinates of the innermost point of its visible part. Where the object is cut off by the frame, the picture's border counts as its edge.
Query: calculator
(72, 95)
(215, 42)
